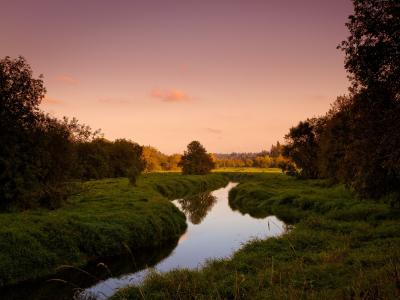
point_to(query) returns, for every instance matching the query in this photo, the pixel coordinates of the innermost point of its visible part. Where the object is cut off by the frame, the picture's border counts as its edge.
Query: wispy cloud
(67, 79)
(170, 95)
(50, 100)
(213, 130)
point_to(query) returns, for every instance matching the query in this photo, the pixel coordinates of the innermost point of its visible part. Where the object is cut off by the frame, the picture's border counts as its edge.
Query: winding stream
(214, 231)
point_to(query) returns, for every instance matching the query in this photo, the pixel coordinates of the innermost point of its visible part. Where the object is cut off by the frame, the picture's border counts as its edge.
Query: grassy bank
(105, 219)
(340, 248)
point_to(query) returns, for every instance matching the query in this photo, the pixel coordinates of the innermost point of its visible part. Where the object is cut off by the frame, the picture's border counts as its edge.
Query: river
(214, 231)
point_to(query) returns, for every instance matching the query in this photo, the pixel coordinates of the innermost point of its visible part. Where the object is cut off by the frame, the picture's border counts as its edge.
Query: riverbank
(341, 247)
(109, 217)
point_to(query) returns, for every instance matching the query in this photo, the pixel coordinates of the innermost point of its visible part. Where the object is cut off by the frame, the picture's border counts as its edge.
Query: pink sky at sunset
(235, 75)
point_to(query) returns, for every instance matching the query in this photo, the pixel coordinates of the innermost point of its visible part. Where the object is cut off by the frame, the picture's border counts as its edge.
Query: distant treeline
(358, 141)
(40, 155)
(264, 159)
(157, 161)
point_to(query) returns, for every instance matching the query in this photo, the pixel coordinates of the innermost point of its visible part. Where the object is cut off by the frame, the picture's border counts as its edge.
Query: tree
(154, 159)
(124, 156)
(276, 150)
(372, 57)
(263, 161)
(372, 160)
(20, 96)
(358, 140)
(173, 162)
(101, 158)
(53, 163)
(302, 146)
(334, 140)
(196, 160)
(372, 51)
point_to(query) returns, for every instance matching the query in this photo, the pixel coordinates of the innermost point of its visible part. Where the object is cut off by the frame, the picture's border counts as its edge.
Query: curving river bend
(214, 231)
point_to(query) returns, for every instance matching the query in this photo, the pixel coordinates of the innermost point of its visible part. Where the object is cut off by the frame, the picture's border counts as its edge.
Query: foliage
(23, 133)
(263, 159)
(173, 162)
(157, 161)
(373, 60)
(357, 142)
(154, 159)
(101, 158)
(339, 248)
(40, 154)
(302, 146)
(372, 142)
(20, 94)
(196, 160)
(372, 49)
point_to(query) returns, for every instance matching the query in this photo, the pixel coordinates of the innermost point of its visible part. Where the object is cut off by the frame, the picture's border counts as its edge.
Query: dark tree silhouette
(101, 158)
(358, 141)
(20, 96)
(373, 48)
(196, 160)
(302, 147)
(373, 59)
(40, 155)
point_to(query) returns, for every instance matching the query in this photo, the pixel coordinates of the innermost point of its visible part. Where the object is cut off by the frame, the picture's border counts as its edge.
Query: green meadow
(247, 170)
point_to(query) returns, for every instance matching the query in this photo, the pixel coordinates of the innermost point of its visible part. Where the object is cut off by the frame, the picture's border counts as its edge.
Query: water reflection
(197, 207)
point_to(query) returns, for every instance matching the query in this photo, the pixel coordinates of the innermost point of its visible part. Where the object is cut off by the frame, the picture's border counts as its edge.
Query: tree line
(40, 156)
(265, 159)
(157, 161)
(357, 142)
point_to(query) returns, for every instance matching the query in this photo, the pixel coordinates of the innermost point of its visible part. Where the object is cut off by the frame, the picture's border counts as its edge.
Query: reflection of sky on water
(220, 233)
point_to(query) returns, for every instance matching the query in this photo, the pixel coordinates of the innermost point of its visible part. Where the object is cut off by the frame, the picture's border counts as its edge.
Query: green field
(234, 170)
(248, 170)
(340, 247)
(106, 218)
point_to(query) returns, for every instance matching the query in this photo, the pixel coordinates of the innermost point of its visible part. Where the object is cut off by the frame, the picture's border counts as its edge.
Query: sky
(235, 75)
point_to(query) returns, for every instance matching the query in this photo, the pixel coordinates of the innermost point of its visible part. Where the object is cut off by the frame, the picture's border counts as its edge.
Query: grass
(248, 170)
(340, 247)
(233, 170)
(104, 220)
